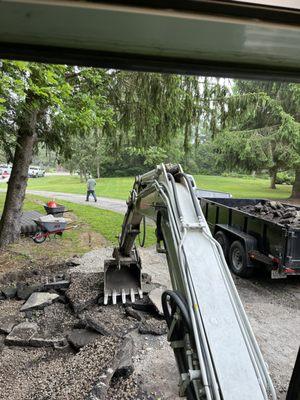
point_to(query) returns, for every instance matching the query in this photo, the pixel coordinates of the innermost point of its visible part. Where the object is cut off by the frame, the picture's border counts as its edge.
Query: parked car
(35, 172)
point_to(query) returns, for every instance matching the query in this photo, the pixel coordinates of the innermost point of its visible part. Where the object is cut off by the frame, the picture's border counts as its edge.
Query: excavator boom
(215, 349)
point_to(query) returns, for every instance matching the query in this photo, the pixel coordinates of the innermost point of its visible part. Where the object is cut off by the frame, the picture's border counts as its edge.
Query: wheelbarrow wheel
(39, 237)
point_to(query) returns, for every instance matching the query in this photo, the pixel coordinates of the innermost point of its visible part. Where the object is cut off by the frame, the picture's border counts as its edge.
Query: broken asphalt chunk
(153, 326)
(21, 334)
(9, 292)
(109, 321)
(39, 300)
(79, 338)
(8, 322)
(84, 289)
(57, 285)
(24, 291)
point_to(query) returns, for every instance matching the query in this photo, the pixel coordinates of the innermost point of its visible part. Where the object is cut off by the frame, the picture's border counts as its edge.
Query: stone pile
(93, 342)
(274, 211)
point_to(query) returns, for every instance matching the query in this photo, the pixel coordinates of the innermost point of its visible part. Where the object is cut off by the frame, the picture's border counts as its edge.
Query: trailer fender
(249, 241)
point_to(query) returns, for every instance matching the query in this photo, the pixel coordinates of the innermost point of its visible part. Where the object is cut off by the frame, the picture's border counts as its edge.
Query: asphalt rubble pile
(84, 349)
(276, 211)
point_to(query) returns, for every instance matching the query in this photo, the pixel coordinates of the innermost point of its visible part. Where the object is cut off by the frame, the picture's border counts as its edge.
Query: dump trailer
(253, 241)
(217, 354)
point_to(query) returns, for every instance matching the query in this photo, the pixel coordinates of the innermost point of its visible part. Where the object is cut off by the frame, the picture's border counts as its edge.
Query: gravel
(73, 378)
(109, 320)
(129, 388)
(273, 308)
(56, 318)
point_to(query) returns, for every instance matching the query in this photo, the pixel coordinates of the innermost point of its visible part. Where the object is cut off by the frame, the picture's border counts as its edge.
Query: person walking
(91, 184)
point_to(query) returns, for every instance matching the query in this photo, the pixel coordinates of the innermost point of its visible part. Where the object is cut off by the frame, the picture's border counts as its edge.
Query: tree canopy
(262, 130)
(112, 122)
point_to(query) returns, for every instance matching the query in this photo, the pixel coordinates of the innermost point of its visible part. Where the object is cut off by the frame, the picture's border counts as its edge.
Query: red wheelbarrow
(49, 225)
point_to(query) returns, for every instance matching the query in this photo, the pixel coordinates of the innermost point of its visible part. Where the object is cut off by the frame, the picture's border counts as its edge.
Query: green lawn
(29, 204)
(119, 188)
(107, 223)
(243, 187)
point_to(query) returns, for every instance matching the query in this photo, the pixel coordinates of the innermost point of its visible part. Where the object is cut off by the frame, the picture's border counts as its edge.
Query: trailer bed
(267, 241)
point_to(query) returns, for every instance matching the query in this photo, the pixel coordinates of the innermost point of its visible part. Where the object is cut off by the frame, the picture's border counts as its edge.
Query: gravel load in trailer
(275, 211)
(256, 233)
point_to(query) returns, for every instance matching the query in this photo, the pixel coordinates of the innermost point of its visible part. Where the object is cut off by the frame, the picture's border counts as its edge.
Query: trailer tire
(238, 260)
(222, 238)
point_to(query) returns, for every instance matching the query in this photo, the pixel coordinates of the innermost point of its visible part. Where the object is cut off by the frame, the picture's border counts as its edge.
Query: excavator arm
(216, 352)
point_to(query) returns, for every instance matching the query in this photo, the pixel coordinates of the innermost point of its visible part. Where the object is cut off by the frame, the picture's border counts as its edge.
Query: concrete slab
(39, 300)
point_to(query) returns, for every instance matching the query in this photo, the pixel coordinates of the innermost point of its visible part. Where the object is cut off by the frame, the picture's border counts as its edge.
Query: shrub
(285, 178)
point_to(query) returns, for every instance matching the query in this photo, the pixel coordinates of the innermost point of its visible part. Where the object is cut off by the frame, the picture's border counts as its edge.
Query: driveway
(103, 202)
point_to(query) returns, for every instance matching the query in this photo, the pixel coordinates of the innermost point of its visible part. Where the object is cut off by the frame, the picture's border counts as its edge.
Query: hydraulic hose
(180, 302)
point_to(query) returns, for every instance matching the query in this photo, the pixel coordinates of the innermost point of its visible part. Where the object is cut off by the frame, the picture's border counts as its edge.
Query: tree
(154, 111)
(150, 113)
(43, 103)
(88, 155)
(262, 128)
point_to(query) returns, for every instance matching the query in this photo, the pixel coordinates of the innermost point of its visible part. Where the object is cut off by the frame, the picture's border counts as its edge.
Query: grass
(96, 228)
(243, 187)
(106, 223)
(29, 204)
(118, 188)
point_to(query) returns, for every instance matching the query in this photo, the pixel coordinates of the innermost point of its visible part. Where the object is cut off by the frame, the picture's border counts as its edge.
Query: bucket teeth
(123, 293)
(123, 296)
(105, 302)
(114, 297)
(132, 296)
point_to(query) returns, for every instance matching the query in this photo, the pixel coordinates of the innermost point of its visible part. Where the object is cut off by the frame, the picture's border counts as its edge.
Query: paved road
(103, 202)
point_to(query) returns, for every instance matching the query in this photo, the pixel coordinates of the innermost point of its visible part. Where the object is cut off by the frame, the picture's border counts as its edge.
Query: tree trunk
(98, 170)
(81, 175)
(10, 224)
(186, 144)
(273, 176)
(296, 185)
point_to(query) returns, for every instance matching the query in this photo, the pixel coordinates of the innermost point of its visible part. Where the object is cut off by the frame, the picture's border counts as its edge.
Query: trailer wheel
(224, 242)
(238, 260)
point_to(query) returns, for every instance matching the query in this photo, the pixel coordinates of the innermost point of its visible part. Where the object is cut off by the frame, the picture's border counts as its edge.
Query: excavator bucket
(122, 278)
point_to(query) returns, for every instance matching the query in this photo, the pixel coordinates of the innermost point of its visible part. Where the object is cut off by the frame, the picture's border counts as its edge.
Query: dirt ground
(273, 308)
